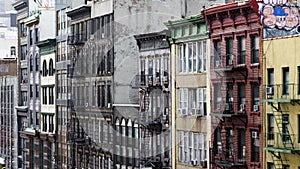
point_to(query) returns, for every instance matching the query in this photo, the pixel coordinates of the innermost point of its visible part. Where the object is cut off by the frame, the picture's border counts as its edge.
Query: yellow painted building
(282, 103)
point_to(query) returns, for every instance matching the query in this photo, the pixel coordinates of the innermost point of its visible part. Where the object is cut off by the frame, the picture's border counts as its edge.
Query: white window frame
(192, 57)
(182, 101)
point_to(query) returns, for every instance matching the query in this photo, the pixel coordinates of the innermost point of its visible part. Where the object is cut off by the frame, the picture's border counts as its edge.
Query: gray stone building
(8, 118)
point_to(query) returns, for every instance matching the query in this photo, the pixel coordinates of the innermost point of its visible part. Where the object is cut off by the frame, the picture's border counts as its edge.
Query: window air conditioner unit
(227, 107)
(218, 106)
(86, 104)
(204, 164)
(217, 63)
(231, 132)
(194, 162)
(255, 108)
(108, 105)
(230, 61)
(242, 107)
(254, 134)
(270, 90)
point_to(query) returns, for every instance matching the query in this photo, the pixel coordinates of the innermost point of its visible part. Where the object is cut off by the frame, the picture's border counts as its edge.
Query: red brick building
(236, 82)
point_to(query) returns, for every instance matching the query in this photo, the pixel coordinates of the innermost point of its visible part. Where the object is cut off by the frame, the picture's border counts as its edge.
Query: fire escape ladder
(277, 160)
(284, 134)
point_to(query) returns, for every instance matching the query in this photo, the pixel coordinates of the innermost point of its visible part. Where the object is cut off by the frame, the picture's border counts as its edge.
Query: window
(298, 80)
(241, 144)
(37, 90)
(255, 96)
(229, 96)
(23, 30)
(285, 128)
(24, 76)
(241, 50)
(217, 96)
(44, 93)
(218, 141)
(270, 165)
(242, 96)
(37, 63)
(31, 90)
(254, 49)
(192, 57)
(51, 69)
(13, 51)
(23, 52)
(37, 34)
(217, 53)
(30, 37)
(255, 155)
(23, 98)
(298, 128)
(270, 87)
(229, 143)
(51, 95)
(182, 101)
(31, 63)
(286, 79)
(191, 147)
(229, 51)
(104, 95)
(192, 101)
(270, 127)
(45, 72)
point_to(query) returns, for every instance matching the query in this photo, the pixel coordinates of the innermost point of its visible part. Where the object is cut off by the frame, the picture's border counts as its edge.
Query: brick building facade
(236, 90)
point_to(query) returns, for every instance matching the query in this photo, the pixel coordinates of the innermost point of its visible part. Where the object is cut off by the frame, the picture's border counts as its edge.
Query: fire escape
(228, 110)
(151, 126)
(76, 136)
(282, 139)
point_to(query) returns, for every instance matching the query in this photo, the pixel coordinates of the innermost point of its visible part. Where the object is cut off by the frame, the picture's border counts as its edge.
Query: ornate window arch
(51, 69)
(45, 71)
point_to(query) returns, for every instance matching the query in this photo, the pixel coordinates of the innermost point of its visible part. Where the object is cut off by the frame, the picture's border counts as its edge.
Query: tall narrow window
(241, 144)
(255, 146)
(270, 87)
(241, 50)
(37, 35)
(270, 127)
(229, 143)
(217, 96)
(285, 127)
(254, 49)
(286, 80)
(217, 52)
(298, 79)
(255, 96)
(30, 37)
(229, 51)
(51, 69)
(242, 96)
(218, 141)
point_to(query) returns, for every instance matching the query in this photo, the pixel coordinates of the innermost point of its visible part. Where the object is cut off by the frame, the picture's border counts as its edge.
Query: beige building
(190, 103)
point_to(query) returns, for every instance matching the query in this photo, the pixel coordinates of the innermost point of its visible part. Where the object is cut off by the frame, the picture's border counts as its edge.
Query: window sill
(253, 65)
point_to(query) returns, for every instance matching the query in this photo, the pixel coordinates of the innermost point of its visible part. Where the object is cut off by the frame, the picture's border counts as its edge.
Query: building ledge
(19, 5)
(81, 10)
(282, 150)
(21, 108)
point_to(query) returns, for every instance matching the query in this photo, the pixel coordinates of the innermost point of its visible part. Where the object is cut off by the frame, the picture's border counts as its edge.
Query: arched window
(44, 68)
(51, 70)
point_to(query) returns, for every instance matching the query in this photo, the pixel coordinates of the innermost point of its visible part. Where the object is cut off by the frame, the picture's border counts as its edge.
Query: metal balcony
(281, 142)
(228, 157)
(76, 39)
(282, 93)
(145, 81)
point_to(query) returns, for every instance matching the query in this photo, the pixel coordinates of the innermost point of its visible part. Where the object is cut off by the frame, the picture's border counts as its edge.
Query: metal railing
(282, 140)
(150, 81)
(282, 92)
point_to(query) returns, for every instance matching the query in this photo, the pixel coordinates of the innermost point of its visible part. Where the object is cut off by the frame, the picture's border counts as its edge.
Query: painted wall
(279, 17)
(287, 56)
